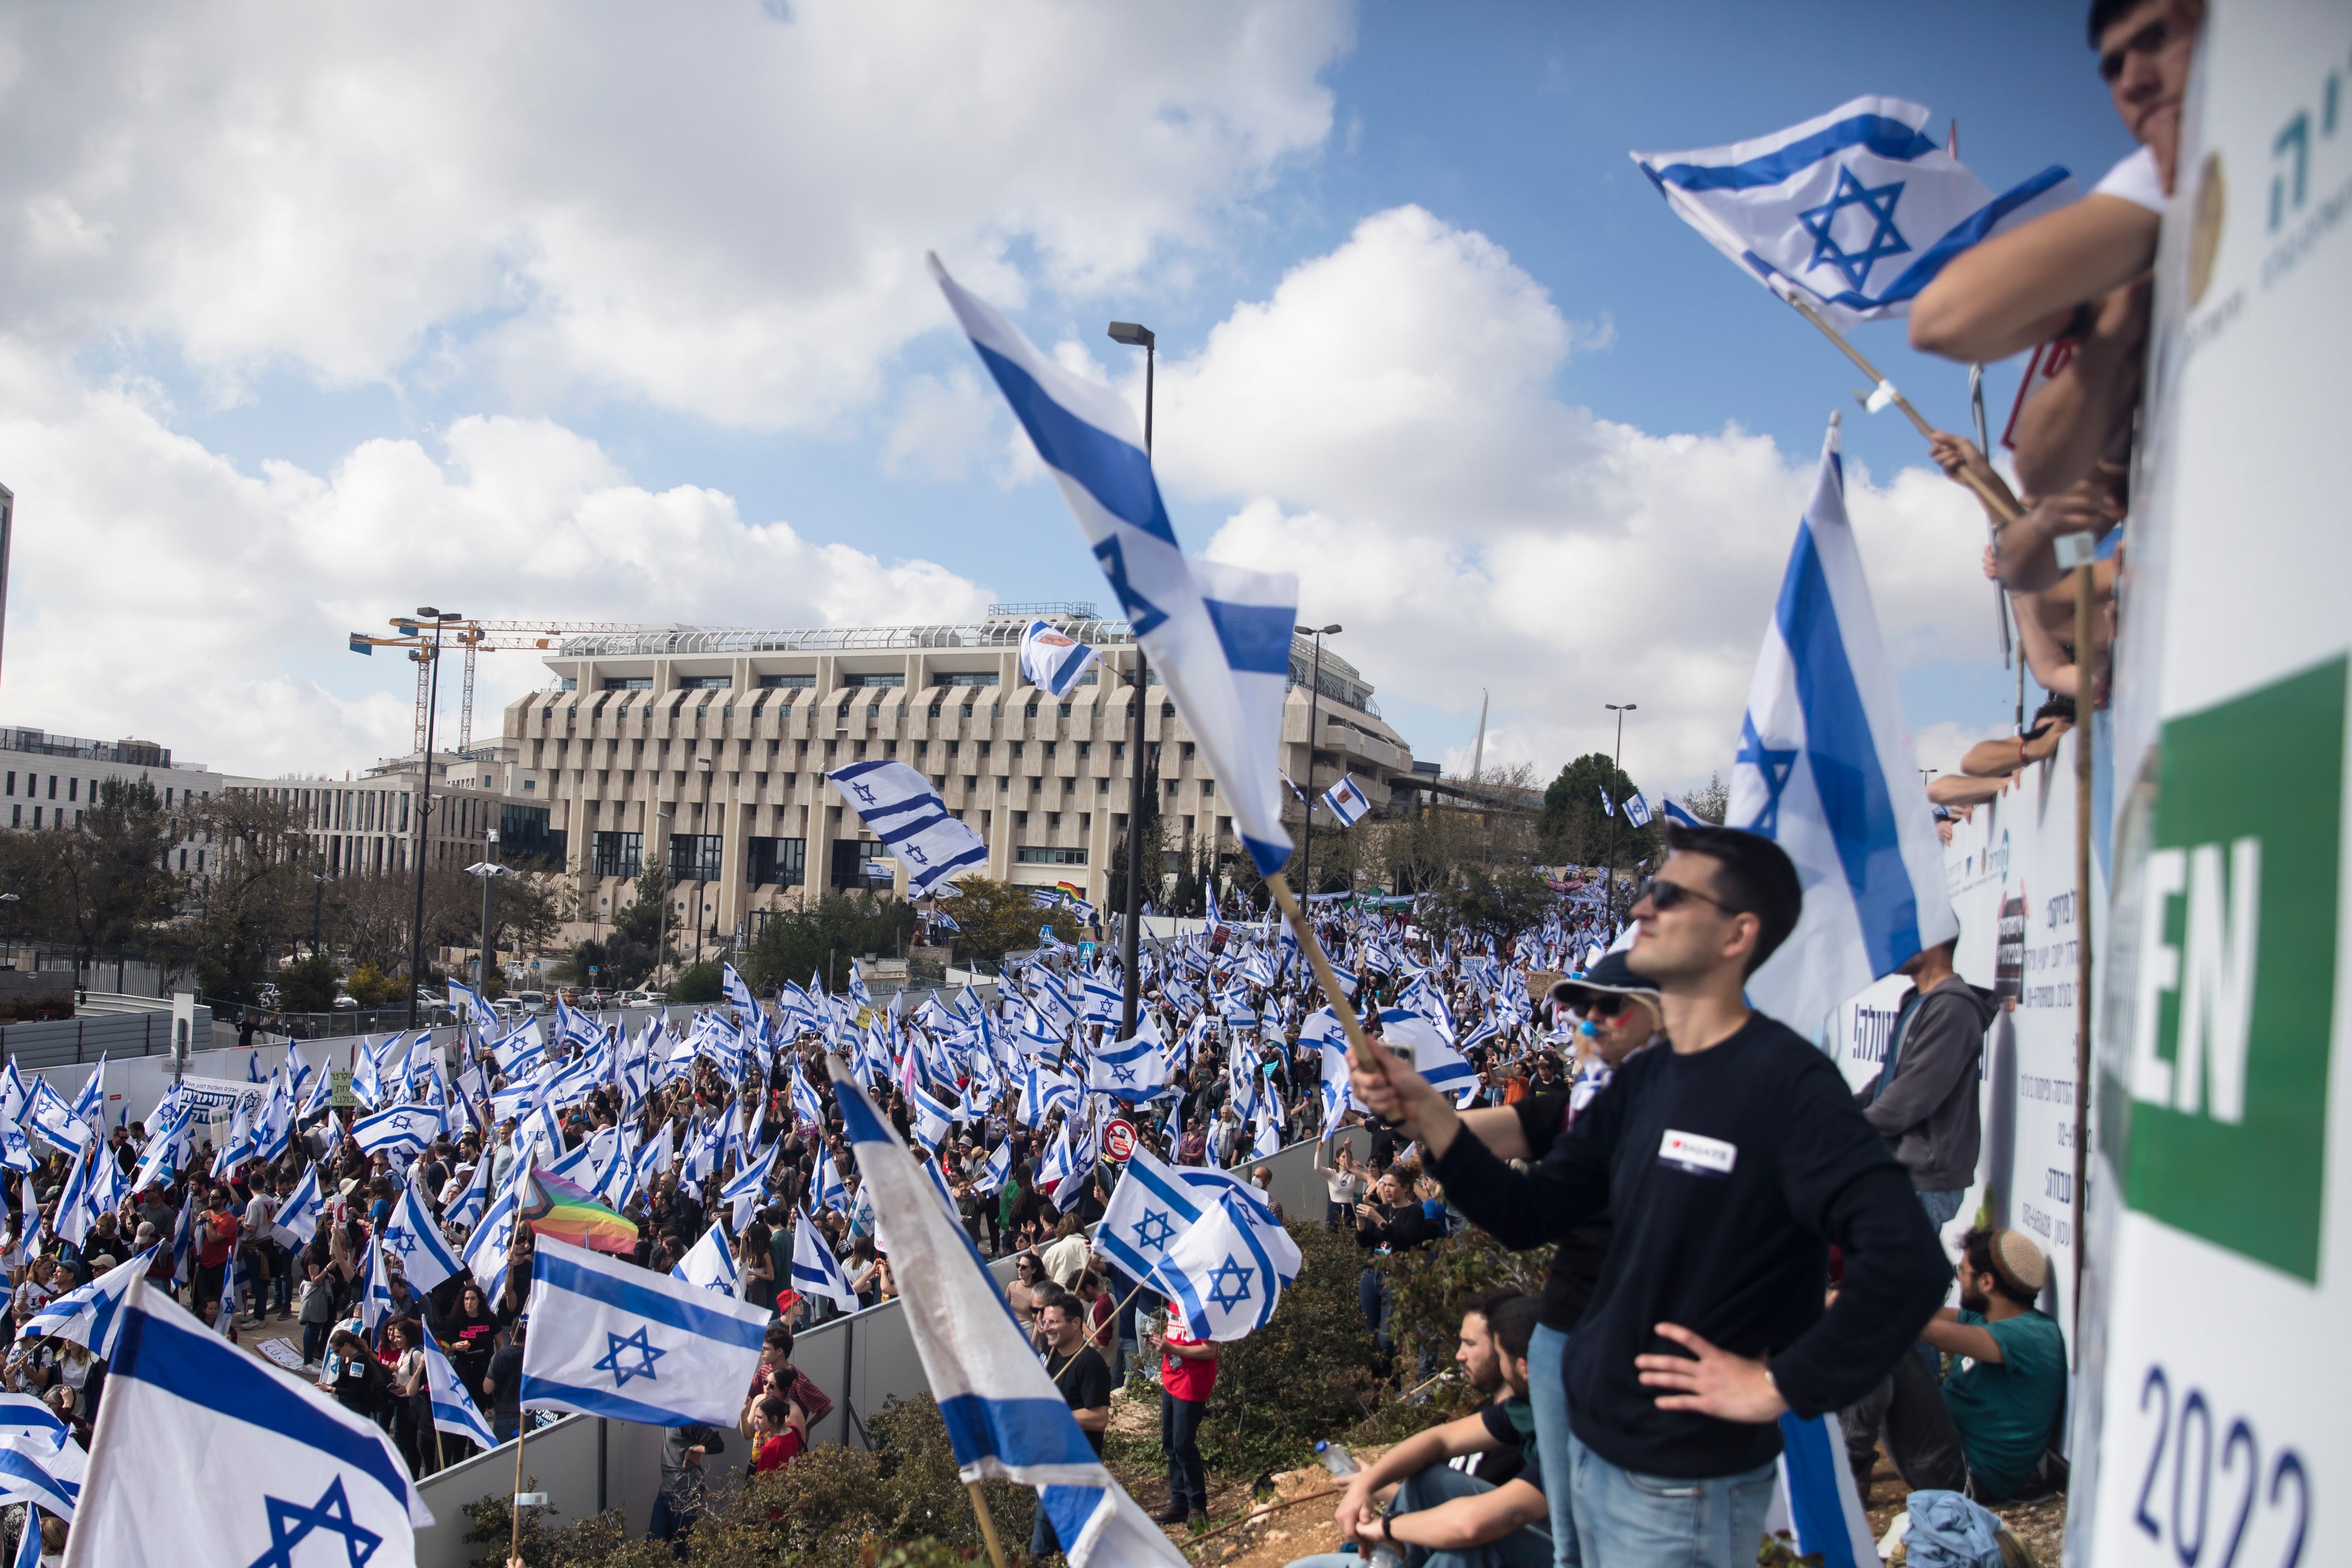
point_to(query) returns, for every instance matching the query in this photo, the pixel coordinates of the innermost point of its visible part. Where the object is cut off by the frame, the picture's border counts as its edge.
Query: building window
(788, 682)
(628, 683)
(570, 683)
(859, 863)
(1020, 819)
(779, 862)
(696, 856)
(965, 680)
(1208, 786)
(707, 683)
(616, 854)
(861, 682)
(1048, 855)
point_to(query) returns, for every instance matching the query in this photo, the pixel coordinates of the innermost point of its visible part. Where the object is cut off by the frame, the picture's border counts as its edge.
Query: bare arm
(1093, 1420)
(2019, 289)
(1410, 1457)
(2084, 411)
(1958, 789)
(1947, 1332)
(2052, 670)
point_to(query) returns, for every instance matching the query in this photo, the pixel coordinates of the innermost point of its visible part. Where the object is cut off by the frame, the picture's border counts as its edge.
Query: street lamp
(489, 871)
(1314, 718)
(439, 619)
(1617, 771)
(1135, 336)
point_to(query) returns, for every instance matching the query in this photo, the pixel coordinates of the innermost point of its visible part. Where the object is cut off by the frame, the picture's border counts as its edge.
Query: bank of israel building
(706, 751)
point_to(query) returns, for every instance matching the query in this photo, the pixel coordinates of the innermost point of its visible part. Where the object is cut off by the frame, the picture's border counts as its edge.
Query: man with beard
(1985, 1428)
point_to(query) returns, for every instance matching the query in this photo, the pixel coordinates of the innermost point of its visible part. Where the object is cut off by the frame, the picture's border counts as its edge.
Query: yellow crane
(474, 637)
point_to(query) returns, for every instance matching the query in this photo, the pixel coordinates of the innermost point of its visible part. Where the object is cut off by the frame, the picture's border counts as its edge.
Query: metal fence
(68, 1042)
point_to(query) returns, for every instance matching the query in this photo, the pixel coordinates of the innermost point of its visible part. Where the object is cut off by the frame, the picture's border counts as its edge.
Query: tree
(1572, 828)
(109, 864)
(997, 917)
(308, 985)
(1711, 803)
(1501, 902)
(370, 986)
(253, 903)
(794, 944)
(698, 983)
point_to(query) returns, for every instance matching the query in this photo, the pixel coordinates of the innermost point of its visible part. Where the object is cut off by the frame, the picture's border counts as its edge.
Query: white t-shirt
(2135, 180)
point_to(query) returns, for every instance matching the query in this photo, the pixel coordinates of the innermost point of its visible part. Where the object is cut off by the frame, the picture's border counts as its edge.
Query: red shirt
(1186, 1378)
(778, 1451)
(224, 1230)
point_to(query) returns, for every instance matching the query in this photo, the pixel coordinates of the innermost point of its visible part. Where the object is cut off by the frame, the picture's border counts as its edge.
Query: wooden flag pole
(1989, 486)
(1359, 1046)
(514, 1510)
(988, 1523)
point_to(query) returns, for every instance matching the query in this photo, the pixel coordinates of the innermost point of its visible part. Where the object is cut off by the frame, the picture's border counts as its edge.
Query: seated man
(1985, 1430)
(1458, 1520)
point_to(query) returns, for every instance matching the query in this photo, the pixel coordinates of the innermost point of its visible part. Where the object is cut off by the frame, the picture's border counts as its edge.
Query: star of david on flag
(907, 814)
(310, 1483)
(1854, 211)
(1824, 770)
(1220, 1275)
(598, 1326)
(1156, 1205)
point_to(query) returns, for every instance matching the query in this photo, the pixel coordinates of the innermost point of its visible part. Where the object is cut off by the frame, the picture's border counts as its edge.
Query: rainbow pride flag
(564, 1210)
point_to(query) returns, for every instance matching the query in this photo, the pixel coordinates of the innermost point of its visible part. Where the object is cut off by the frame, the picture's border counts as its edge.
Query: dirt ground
(1275, 1535)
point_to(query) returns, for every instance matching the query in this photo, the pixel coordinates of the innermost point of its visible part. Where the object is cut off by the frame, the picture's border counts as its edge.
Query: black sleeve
(1541, 1117)
(1567, 1187)
(1838, 1178)
(1498, 1424)
(1094, 1382)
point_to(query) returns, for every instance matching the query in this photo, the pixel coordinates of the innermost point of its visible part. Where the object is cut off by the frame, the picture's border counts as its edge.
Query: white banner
(2221, 1229)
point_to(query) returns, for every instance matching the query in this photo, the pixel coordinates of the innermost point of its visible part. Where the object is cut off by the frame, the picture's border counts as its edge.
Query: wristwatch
(1385, 1533)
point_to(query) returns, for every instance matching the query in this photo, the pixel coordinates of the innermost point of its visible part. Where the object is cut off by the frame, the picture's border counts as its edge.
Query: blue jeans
(1547, 1392)
(1943, 1207)
(1626, 1517)
(1180, 1439)
(1525, 1547)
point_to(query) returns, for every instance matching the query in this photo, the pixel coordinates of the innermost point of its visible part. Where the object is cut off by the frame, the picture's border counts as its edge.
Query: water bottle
(1385, 1556)
(1336, 1460)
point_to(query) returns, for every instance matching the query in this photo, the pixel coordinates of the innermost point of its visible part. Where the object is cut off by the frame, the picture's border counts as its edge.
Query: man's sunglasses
(1604, 1005)
(1664, 895)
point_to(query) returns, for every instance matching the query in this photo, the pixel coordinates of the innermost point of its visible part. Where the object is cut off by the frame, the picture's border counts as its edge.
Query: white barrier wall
(2011, 871)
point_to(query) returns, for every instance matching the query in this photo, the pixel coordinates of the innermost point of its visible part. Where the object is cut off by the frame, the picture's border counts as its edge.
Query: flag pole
(1989, 486)
(2086, 715)
(1359, 1047)
(988, 1523)
(514, 1510)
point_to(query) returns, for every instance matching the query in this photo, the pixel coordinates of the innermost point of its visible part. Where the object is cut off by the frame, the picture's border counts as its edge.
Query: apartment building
(48, 781)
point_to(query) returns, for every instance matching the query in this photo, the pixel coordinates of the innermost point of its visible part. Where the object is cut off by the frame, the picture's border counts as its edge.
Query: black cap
(1612, 974)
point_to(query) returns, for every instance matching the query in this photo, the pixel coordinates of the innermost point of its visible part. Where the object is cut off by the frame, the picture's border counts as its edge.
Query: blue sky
(1507, 124)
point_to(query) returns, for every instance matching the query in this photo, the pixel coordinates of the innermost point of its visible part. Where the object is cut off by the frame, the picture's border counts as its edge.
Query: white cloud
(159, 592)
(1387, 424)
(717, 208)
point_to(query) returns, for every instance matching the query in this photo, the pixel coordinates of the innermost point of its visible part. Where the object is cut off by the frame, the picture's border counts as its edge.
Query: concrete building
(706, 753)
(367, 826)
(47, 781)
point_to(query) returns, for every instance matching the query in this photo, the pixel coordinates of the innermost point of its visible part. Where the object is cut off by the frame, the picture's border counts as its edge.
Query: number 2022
(2193, 1453)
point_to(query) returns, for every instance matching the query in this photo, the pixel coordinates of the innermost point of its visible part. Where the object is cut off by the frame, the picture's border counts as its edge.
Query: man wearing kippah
(1985, 1430)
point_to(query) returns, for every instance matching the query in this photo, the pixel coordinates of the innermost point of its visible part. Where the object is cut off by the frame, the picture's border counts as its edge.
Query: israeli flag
(35, 1470)
(261, 1461)
(1824, 770)
(1220, 1275)
(1132, 1070)
(1606, 808)
(298, 1215)
(831, 1191)
(907, 814)
(425, 1257)
(1433, 1057)
(1052, 660)
(994, 1171)
(401, 1130)
(1853, 212)
(711, 1263)
(376, 1300)
(1219, 635)
(49, 1114)
(1005, 1417)
(467, 1210)
(1637, 810)
(25, 1415)
(1156, 1202)
(1677, 812)
(453, 1410)
(816, 1272)
(609, 1339)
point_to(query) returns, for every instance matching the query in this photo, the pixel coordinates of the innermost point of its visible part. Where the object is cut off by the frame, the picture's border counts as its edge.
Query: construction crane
(474, 637)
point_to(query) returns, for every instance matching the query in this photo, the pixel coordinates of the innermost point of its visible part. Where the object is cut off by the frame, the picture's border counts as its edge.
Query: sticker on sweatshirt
(1698, 1157)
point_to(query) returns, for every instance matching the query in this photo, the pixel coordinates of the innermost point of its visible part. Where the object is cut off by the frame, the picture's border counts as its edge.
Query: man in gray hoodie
(1924, 1100)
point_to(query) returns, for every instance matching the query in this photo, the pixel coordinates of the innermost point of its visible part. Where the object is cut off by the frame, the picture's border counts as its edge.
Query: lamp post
(318, 910)
(489, 871)
(1617, 771)
(1314, 719)
(424, 799)
(1131, 979)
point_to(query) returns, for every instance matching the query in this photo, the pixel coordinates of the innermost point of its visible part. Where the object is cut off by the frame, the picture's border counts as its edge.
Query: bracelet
(1385, 1533)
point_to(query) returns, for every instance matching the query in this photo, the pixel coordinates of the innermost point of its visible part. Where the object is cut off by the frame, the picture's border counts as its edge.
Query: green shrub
(1428, 1285)
(1311, 1374)
(698, 983)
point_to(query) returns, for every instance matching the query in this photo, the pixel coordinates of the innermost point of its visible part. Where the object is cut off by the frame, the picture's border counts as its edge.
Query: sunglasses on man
(1664, 895)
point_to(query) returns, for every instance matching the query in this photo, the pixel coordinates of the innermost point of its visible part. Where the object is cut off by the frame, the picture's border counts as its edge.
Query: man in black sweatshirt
(1731, 1162)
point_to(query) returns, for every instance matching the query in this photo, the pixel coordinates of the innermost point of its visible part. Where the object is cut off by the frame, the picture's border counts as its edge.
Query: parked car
(534, 1003)
(636, 999)
(345, 1002)
(509, 1009)
(594, 1001)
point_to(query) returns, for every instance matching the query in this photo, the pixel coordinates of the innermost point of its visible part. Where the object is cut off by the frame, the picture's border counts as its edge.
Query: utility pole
(1314, 732)
(490, 869)
(1130, 974)
(1617, 774)
(425, 803)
